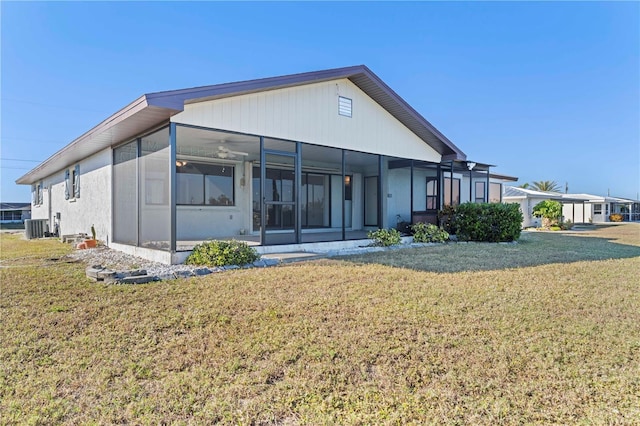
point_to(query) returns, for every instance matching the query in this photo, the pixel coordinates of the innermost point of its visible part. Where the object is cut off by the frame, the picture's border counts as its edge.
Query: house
(304, 158)
(598, 209)
(14, 212)
(527, 199)
(578, 208)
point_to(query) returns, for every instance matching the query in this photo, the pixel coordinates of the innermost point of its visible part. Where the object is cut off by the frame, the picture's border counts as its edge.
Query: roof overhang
(153, 109)
(140, 115)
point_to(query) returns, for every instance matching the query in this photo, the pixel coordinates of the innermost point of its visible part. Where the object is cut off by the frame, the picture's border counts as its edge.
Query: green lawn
(546, 332)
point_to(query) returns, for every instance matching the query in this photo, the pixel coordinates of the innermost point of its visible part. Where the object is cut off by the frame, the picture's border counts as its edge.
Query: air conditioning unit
(35, 228)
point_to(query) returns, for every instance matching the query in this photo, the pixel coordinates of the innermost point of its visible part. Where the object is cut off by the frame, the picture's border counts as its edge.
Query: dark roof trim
(503, 177)
(152, 109)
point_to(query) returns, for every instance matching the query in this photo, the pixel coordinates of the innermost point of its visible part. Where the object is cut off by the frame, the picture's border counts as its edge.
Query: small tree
(550, 212)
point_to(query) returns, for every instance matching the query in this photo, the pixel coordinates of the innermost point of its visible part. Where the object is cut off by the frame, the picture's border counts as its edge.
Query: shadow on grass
(533, 249)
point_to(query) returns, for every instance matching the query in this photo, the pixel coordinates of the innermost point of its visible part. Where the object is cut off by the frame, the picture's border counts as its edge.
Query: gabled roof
(514, 192)
(151, 110)
(15, 206)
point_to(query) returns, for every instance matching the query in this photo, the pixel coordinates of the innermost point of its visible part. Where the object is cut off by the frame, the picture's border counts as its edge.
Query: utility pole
(566, 187)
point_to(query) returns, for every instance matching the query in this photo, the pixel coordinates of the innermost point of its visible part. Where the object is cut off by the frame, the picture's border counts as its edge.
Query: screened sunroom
(187, 184)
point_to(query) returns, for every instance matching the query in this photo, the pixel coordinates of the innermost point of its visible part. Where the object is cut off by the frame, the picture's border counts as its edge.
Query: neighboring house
(528, 198)
(595, 208)
(14, 212)
(578, 208)
(319, 156)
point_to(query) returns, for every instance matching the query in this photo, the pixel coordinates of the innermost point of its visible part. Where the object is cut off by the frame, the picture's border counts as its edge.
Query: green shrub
(385, 237)
(493, 222)
(616, 217)
(221, 253)
(555, 228)
(447, 219)
(428, 233)
(549, 210)
(566, 225)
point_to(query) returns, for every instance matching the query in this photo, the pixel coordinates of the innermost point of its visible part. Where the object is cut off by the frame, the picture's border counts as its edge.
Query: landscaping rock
(136, 272)
(106, 275)
(93, 271)
(137, 279)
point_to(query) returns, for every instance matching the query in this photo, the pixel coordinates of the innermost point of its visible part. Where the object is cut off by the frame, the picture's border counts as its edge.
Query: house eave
(128, 122)
(151, 110)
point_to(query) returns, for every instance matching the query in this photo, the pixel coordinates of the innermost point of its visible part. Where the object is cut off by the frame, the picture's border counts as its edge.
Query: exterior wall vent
(344, 106)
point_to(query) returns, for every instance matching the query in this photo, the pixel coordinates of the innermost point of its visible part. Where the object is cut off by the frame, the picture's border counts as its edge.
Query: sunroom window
(205, 184)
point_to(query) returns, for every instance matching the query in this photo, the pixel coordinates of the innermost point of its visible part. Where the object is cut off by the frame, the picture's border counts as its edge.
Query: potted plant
(91, 242)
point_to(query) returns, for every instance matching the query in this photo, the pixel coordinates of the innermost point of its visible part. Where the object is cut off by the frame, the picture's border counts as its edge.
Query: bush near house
(428, 233)
(488, 222)
(550, 212)
(385, 237)
(447, 219)
(616, 217)
(221, 253)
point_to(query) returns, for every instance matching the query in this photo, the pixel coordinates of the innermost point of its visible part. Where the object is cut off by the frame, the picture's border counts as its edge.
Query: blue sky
(547, 91)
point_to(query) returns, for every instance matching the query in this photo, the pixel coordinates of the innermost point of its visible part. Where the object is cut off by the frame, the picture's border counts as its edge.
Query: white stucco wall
(526, 207)
(309, 114)
(93, 207)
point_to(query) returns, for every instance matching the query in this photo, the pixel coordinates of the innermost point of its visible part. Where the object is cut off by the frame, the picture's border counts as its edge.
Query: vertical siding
(309, 114)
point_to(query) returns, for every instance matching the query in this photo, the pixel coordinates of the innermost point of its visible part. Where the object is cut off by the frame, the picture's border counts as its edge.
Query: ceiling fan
(224, 152)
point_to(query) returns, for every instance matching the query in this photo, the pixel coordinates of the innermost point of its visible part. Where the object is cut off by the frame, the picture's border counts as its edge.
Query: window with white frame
(597, 209)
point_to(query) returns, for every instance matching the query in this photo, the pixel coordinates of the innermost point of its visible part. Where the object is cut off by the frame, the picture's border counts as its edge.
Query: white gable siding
(309, 114)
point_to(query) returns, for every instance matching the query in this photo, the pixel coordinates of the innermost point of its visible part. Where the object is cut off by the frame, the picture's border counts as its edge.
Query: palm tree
(546, 186)
(524, 185)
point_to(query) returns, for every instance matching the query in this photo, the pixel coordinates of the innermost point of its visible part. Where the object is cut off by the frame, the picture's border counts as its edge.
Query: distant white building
(578, 208)
(14, 212)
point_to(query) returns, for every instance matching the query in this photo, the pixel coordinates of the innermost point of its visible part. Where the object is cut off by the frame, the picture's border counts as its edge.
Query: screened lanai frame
(130, 181)
(160, 216)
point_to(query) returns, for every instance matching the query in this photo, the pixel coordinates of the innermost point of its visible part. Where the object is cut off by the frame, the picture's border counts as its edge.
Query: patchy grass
(330, 342)
(533, 249)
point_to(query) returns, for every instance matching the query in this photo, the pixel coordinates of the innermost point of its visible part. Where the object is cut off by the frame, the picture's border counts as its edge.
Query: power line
(4, 138)
(50, 106)
(20, 159)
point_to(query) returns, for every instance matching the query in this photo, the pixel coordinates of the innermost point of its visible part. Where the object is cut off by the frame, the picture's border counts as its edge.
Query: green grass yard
(545, 332)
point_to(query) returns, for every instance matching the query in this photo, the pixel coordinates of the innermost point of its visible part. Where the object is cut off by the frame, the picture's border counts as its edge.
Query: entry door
(280, 203)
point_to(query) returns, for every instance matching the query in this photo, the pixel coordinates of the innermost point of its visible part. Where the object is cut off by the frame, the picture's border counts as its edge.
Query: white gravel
(119, 261)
